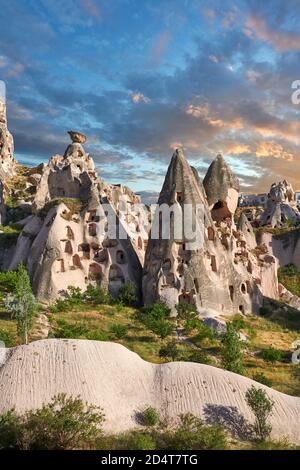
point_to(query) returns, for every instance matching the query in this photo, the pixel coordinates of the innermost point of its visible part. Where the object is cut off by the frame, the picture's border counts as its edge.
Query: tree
(22, 303)
(262, 407)
(232, 356)
(169, 350)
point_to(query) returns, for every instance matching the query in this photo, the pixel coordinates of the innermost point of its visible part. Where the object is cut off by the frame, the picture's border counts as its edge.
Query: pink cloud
(160, 46)
(91, 8)
(280, 40)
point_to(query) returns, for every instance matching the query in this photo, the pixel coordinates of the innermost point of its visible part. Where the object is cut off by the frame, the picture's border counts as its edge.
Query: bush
(7, 338)
(199, 356)
(10, 430)
(170, 350)
(135, 440)
(232, 356)
(271, 354)
(97, 335)
(150, 416)
(8, 280)
(127, 295)
(97, 295)
(261, 378)
(186, 311)
(282, 444)
(118, 330)
(204, 331)
(65, 423)
(262, 407)
(160, 327)
(238, 322)
(71, 331)
(159, 310)
(192, 434)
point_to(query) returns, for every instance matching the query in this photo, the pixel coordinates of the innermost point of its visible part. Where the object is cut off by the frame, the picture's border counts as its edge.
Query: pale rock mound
(118, 380)
(281, 206)
(7, 161)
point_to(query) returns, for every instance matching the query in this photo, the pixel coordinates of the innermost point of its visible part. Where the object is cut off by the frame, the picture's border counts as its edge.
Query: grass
(289, 276)
(73, 204)
(9, 235)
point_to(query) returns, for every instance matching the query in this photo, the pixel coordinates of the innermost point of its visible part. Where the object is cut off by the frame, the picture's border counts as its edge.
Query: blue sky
(143, 77)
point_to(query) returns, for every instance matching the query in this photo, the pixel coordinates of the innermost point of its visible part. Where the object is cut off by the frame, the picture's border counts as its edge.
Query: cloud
(280, 40)
(92, 9)
(273, 149)
(159, 47)
(137, 97)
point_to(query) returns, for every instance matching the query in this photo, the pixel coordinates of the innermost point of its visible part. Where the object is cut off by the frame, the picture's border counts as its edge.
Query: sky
(142, 77)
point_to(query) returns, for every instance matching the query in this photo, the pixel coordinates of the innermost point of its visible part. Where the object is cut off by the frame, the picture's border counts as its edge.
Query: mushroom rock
(222, 189)
(204, 274)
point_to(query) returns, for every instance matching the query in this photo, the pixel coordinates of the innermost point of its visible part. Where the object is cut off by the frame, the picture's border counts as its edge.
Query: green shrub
(238, 322)
(282, 444)
(262, 407)
(150, 416)
(127, 295)
(271, 354)
(261, 378)
(170, 350)
(192, 434)
(97, 295)
(65, 423)
(159, 310)
(199, 356)
(8, 281)
(7, 338)
(135, 440)
(10, 430)
(71, 330)
(160, 327)
(118, 330)
(97, 335)
(186, 311)
(204, 331)
(232, 356)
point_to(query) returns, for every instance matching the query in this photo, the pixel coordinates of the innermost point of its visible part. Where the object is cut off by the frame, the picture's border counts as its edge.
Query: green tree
(232, 356)
(186, 311)
(22, 304)
(150, 416)
(170, 350)
(262, 407)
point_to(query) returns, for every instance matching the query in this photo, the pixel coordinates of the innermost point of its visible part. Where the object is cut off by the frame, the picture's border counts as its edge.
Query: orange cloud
(16, 70)
(273, 149)
(138, 97)
(203, 112)
(281, 40)
(237, 149)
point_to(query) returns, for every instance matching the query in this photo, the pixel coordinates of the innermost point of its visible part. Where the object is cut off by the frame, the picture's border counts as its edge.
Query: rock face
(213, 275)
(281, 206)
(119, 381)
(7, 161)
(65, 242)
(222, 189)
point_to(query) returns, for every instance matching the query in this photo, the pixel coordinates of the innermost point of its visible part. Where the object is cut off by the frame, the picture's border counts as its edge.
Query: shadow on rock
(230, 418)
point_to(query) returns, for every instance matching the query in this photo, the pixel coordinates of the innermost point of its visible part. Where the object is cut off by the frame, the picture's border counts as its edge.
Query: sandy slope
(109, 375)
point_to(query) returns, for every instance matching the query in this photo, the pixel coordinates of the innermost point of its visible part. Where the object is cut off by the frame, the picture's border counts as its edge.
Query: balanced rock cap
(77, 137)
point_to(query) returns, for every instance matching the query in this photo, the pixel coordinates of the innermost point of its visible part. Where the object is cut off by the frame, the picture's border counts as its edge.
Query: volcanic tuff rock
(65, 241)
(281, 206)
(119, 381)
(222, 188)
(7, 161)
(214, 275)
